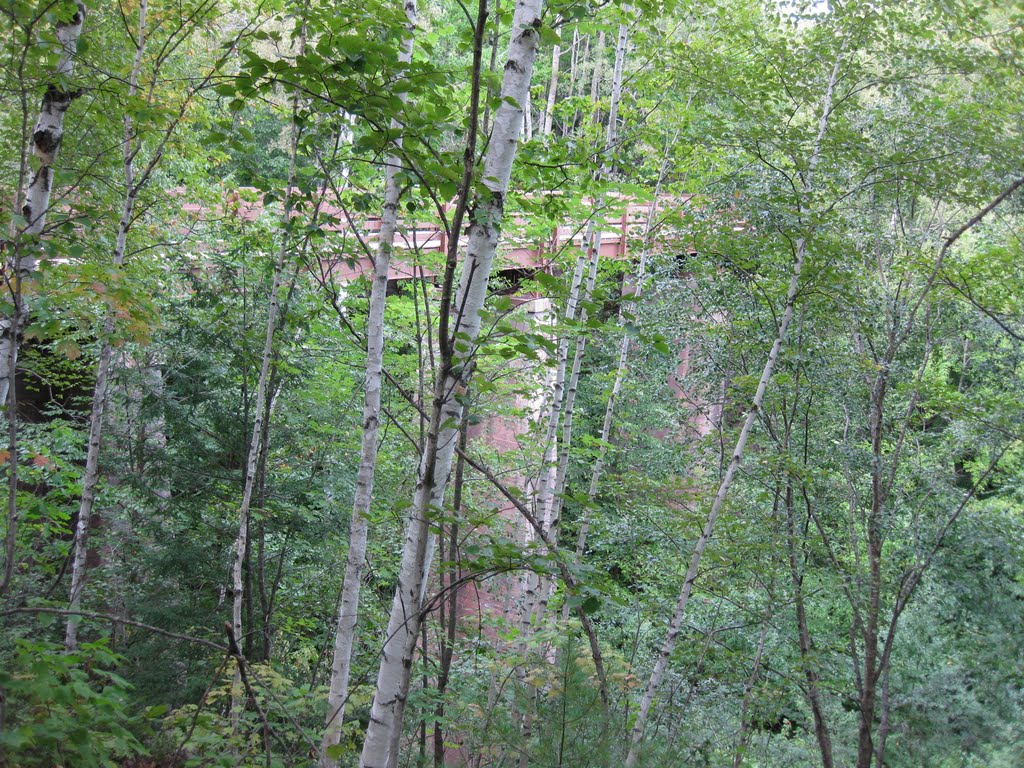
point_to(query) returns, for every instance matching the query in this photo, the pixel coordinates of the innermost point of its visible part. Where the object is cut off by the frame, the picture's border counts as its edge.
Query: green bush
(65, 709)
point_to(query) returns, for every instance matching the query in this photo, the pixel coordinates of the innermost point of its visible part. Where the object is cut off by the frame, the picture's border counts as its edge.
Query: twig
(111, 618)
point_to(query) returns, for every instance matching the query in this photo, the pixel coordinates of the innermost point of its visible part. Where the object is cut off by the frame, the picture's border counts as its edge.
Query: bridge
(518, 251)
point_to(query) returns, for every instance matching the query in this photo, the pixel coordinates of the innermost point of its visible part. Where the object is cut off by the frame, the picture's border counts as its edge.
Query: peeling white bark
(44, 144)
(49, 131)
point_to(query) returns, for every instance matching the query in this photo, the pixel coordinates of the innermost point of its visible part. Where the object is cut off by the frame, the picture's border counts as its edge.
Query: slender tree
(548, 115)
(676, 622)
(348, 606)
(553, 490)
(99, 399)
(262, 386)
(627, 308)
(459, 327)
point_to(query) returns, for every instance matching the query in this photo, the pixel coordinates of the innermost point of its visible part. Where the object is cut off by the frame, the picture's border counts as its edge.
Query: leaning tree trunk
(44, 143)
(348, 606)
(90, 480)
(676, 622)
(452, 381)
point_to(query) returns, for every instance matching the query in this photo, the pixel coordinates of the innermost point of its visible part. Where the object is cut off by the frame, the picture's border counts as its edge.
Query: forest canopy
(554, 384)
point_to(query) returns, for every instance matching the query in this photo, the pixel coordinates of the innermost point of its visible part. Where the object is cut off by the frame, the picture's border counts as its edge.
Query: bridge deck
(419, 244)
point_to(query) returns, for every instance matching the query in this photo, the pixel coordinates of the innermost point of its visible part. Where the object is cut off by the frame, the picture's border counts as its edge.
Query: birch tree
(260, 413)
(459, 327)
(547, 116)
(133, 180)
(627, 308)
(348, 607)
(91, 477)
(564, 393)
(33, 202)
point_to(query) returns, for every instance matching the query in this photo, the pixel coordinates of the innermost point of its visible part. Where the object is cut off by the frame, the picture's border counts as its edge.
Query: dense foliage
(736, 451)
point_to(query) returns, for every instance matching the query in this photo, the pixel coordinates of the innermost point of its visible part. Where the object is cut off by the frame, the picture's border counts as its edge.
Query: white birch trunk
(255, 441)
(616, 97)
(628, 307)
(572, 386)
(595, 79)
(554, 495)
(676, 622)
(100, 390)
(547, 119)
(546, 482)
(44, 143)
(49, 132)
(348, 607)
(575, 56)
(446, 413)
(554, 482)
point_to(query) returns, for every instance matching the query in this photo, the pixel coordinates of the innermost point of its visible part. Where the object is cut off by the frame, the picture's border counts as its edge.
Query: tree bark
(813, 690)
(486, 122)
(676, 622)
(875, 664)
(528, 117)
(44, 144)
(563, 394)
(592, 253)
(547, 117)
(449, 607)
(875, 539)
(90, 480)
(263, 383)
(348, 607)
(452, 380)
(620, 369)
